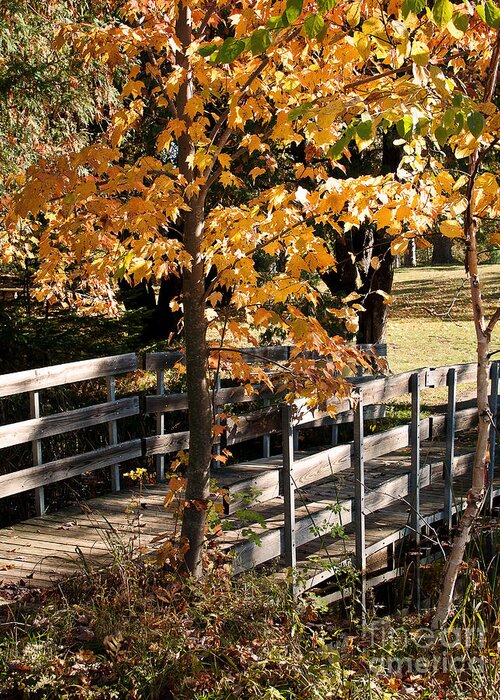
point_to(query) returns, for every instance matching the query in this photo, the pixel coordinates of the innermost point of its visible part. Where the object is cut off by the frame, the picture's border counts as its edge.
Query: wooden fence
(299, 473)
(294, 473)
(40, 426)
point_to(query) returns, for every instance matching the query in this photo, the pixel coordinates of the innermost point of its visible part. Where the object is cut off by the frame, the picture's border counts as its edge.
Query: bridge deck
(41, 551)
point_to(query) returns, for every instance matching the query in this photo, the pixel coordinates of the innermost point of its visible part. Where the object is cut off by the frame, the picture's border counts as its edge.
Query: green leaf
(404, 127)
(492, 14)
(442, 12)
(475, 122)
(207, 50)
(461, 22)
(336, 151)
(459, 122)
(230, 50)
(441, 135)
(313, 26)
(260, 41)
(293, 9)
(364, 130)
(299, 111)
(276, 22)
(326, 5)
(414, 6)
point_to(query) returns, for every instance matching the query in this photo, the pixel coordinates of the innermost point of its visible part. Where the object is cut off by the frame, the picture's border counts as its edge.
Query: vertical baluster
(160, 424)
(290, 553)
(113, 434)
(335, 435)
(449, 456)
(266, 439)
(495, 367)
(359, 501)
(36, 448)
(216, 449)
(415, 519)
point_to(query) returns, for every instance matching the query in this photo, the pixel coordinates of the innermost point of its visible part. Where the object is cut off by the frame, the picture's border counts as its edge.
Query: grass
(420, 331)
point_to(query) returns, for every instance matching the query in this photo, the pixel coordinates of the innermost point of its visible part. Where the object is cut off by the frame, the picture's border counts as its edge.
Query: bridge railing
(41, 425)
(262, 422)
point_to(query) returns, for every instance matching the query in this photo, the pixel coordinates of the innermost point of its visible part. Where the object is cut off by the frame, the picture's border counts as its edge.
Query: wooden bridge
(363, 498)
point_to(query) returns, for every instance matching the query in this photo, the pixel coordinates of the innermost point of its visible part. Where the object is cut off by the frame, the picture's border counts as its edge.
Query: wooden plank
(465, 373)
(36, 449)
(155, 361)
(385, 388)
(165, 444)
(359, 502)
(371, 413)
(35, 477)
(167, 360)
(38, 428)
(160, 423)
(415, 484)
(36, 379)
(252, 425)
(288, 486)
(178, 402)
(449, 457)
(113, 434)
(462, 464)
(336, 459)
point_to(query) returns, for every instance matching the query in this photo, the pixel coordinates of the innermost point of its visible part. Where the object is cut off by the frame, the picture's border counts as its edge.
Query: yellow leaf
(255, 172)
(374, 27)
(362, 44)
(224, 159)
(353, 14)
(399, 246)
(386, 297)
(375, 262)
(384, 217)
(133, 87)
(451, 229)
(420, 53)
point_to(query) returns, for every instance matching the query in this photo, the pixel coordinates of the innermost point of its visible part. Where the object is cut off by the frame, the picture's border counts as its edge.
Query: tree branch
(493, 321)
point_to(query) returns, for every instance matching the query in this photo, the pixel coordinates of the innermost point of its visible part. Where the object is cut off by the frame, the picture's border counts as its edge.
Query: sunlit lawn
(416, 336)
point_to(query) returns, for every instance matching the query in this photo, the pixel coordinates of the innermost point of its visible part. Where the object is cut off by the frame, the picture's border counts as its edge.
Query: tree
(49, 102)
(233, 81)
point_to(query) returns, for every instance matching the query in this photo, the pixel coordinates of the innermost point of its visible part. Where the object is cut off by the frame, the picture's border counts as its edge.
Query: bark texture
(195, 329)
(476, 494)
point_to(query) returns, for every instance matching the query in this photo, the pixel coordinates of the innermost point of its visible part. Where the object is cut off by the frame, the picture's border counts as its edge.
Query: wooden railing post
(495, 367)
(266, 439)
(359, 502)
(216, 449)
(160, 424)
(334, 435)
(451, 413)
(113, 434)
(36, 448)
(415, 520)
(290, 553)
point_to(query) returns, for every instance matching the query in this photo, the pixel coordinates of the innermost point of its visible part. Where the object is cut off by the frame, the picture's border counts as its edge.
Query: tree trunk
(476, 494)
(195, 326)
(441, 250)
(199, 403)
(373, 321)
(411, 254)
(355, 273)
